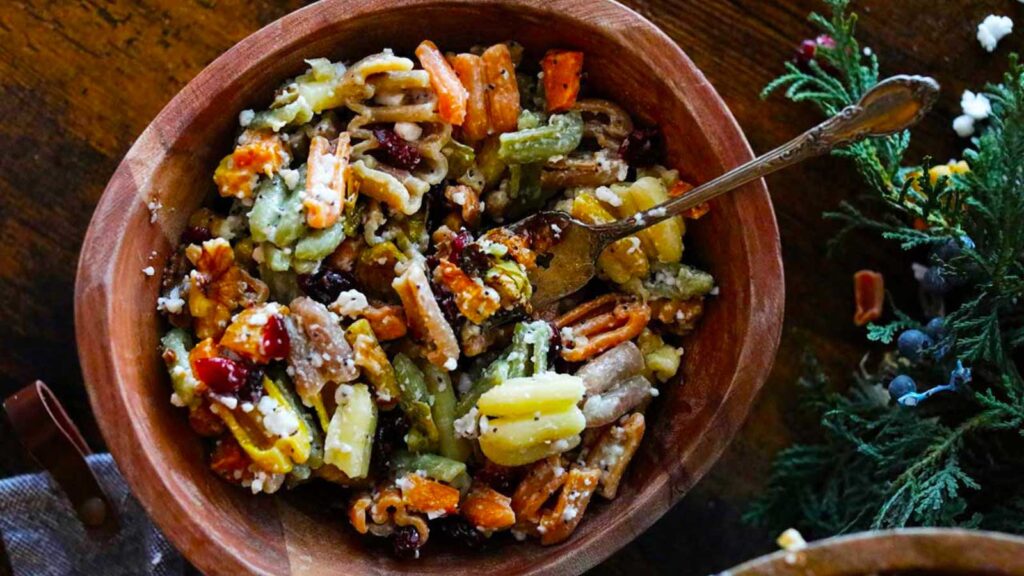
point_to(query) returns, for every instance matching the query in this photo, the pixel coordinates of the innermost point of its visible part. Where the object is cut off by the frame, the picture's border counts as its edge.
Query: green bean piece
(539, 335)
(433, 466)
(176, 344)
(352, 215)
(284, 286)
(529, 119)
(673, 280)
(525, 192)
(370, 356)
(277, 214)
(460, 158)
(489, 164)
(561, 135)
(414, 400)
(511, 364)
(440, 385)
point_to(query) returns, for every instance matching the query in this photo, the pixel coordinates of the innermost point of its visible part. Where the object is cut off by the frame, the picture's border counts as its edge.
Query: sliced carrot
(503, 90)
(451, 95)
(869, 293)
(325, 181)
(470, 70)
(562, 71)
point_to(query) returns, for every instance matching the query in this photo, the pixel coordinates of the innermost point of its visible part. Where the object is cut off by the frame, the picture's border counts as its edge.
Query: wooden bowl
(907, 552)
(223, 529)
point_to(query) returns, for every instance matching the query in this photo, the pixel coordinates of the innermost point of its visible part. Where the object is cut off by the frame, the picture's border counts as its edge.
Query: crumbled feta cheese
(657, 213)
(172, 304)
(343, 393)
(389, 99)
(654, 392)
(451, 364)
(350, 303)
(569, 514)
(290, 177)
(466, 427)
(404, 483)
(435, 514)
(409, 131)
(976, 106)
(229, 402)
(992, 29)
(867, 51)
(245, 117)
(459, 198)
(715, 291)
(634, 244)
(606, 195)
(247, 407)
(963, 125)
(149, 271)
(276, 419)
(177, 401)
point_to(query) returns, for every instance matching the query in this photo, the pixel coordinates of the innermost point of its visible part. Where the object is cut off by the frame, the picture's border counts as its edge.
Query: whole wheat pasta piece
(614, 450)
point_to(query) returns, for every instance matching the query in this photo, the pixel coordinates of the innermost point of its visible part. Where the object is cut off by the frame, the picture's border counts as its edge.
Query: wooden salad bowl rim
(117, 326)
(921, 551)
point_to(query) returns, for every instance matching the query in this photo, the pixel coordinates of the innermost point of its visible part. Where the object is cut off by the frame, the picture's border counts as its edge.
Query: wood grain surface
(80, 79)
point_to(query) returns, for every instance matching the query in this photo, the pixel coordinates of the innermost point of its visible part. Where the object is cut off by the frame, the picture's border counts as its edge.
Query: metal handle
(889, 107)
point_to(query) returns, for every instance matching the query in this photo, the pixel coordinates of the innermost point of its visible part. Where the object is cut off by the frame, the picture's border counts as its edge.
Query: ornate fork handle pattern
(890, 107)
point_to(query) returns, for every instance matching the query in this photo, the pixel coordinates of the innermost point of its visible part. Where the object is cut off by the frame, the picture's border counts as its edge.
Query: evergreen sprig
(958, 459)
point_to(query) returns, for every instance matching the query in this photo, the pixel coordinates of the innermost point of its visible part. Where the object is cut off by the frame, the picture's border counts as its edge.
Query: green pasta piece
(176, 344)
(489, 164)
(524, 189)
(433, 466)
(319, 244)
(440, 385)
(561, 135)
(414, 399)
(277, 215)
(460, 158)
(303, 97)
(276, 259)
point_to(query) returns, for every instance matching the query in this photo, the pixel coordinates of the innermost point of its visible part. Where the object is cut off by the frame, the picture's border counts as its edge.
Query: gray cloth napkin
(43, 537)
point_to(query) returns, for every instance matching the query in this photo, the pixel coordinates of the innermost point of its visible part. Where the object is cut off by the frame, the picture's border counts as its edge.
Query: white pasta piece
(386, 188)
(349, 437)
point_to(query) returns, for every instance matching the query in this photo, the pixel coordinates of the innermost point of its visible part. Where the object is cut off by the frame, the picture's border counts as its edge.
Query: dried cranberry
(274, 341)
(473, 260)
(196, 235)
(222, 375)
(459, 243)
(398, 152)
(460, 532)
(253, 388)
(388, 437)
(325, 284)
(642, 147)
(446, 301)
(407, 542)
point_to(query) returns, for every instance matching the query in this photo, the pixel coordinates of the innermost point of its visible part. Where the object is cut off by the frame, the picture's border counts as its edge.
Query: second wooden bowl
(906, 552)
(224, 530)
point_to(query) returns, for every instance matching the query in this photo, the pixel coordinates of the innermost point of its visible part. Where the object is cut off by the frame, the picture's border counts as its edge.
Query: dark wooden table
(80, 79)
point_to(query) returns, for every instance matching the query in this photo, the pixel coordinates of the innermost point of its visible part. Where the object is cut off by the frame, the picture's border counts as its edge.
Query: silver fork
(570, 261)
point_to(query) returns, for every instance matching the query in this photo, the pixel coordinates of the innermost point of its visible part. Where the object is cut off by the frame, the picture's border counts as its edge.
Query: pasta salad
(348, 309)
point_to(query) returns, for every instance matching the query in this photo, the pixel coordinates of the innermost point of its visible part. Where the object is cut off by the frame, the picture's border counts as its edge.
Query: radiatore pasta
(351, 311)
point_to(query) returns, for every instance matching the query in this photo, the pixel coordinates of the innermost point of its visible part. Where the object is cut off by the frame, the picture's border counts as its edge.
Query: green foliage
(956, 461)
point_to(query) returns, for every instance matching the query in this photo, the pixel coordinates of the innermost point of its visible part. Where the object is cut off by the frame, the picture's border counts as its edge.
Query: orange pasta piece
(869, 292)
(451, 95)
(614, 450)
(325, 181)
(470, 70)
(559, 523)
(681, 187)
(543, 479)
(562, 71)
(502, 89)
(429, 496)
(386, 320)
(601, 324)
(487, 509)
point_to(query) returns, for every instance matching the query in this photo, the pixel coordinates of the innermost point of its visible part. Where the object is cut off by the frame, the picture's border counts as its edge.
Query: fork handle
(889, 107)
